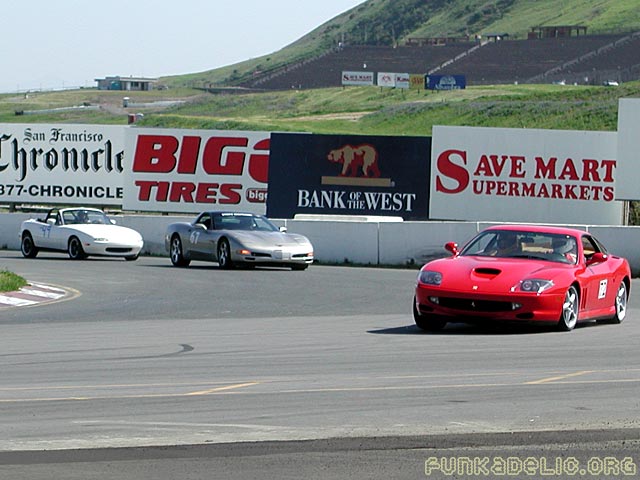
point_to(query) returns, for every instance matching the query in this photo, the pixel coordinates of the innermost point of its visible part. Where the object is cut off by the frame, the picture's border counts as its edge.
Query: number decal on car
(602, 292)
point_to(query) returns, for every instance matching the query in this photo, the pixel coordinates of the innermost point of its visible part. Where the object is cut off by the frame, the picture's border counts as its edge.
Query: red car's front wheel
(570, 308)
(429, 323)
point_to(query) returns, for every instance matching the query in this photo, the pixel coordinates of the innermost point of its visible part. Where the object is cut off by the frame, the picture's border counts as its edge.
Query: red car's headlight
(535, 285)
(429, 277)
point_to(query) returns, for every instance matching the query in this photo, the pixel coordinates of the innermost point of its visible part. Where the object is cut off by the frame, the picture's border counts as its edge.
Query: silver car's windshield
(521, 244)
(243, 221)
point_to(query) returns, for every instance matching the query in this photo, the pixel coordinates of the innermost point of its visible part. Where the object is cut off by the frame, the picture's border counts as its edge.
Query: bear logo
(356, 158)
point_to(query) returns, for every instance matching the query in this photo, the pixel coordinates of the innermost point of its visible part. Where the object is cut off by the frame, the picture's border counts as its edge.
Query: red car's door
(599, 293)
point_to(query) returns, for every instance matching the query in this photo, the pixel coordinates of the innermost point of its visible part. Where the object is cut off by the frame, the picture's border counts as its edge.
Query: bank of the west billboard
(446, 82)
(193, 170)
(517, 175)
(628, 177)
(48, 163)
(348, 175)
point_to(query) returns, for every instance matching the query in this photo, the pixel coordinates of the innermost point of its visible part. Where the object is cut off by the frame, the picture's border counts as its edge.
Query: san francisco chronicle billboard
(348, 175)
(518, 175)
(192, 170)
(47, 163)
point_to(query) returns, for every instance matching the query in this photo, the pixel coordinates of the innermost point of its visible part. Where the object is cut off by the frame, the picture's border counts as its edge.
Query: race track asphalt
(269, 373)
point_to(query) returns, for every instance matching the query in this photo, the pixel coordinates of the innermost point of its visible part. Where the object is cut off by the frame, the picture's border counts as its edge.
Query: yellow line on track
(559, 377)
(222, 389)
(211, 391)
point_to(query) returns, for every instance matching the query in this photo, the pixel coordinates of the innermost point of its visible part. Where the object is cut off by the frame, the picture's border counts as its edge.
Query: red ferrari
(523, 273)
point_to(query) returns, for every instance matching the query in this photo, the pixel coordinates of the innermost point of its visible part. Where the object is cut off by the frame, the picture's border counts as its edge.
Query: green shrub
(9, 281)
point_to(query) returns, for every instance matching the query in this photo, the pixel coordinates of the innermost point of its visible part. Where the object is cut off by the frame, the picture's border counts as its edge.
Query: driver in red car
(507, 244)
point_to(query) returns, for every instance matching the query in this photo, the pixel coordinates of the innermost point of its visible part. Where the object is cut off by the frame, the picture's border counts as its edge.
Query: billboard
(193, 170)
(393, 80)
(357, 78)
(348, 175)
(403, 80)
(518, 175)
(417, 81)
(386, 79)
(446, 82)
(51, 164)
(628, 171)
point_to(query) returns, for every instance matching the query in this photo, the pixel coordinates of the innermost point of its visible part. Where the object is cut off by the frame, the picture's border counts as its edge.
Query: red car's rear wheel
(619, 305)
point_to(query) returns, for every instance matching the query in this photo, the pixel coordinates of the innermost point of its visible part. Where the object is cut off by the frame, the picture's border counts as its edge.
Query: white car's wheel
(75, 250)
(570, 308)
(28, 248)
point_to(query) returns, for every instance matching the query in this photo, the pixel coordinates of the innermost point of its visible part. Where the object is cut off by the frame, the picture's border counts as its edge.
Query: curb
(32, 294)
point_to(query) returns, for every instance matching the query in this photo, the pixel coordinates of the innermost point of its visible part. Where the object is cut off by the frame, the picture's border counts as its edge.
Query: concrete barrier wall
(409, 243)
(10, 229)
(362, 242)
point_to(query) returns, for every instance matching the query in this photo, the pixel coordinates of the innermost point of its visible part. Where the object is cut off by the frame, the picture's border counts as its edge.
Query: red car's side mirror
(451, 247)
(596, 258)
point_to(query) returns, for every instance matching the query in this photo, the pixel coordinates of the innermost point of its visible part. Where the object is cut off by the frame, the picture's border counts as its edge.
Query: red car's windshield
(522, 244)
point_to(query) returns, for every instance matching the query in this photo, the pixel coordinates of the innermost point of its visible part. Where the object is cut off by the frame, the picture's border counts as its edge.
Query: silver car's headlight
(536, 285)
(429, 277)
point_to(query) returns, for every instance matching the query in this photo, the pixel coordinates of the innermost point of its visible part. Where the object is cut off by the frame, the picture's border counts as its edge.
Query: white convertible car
(80, 232)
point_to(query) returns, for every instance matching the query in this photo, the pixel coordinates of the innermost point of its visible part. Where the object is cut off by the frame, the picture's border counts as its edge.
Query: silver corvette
(232, 238)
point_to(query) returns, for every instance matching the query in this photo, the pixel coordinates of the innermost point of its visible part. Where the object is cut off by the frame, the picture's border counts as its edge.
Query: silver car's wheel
(28, 248)
(570, 308)
(224, 254)
(177, 258)
(75, 250)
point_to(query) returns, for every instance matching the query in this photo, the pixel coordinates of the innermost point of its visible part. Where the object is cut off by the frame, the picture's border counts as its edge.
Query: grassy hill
(355, 110)
(370, 110)
(389, 22)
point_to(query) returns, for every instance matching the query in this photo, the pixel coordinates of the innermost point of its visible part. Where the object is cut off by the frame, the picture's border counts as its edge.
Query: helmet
(563, 245)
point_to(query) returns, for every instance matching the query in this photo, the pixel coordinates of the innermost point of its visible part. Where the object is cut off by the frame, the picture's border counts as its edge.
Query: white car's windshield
(521, 244)
(82, 216)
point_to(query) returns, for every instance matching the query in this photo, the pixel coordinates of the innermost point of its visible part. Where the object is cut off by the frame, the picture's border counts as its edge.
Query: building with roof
(134, 84)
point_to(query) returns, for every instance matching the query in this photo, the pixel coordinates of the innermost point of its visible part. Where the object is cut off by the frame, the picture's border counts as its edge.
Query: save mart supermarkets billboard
(524, 175)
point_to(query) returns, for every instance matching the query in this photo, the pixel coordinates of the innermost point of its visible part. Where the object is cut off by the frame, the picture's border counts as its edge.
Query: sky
(54, 44)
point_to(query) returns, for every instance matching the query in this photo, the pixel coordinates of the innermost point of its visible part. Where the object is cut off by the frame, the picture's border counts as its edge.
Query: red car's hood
(493, 275)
